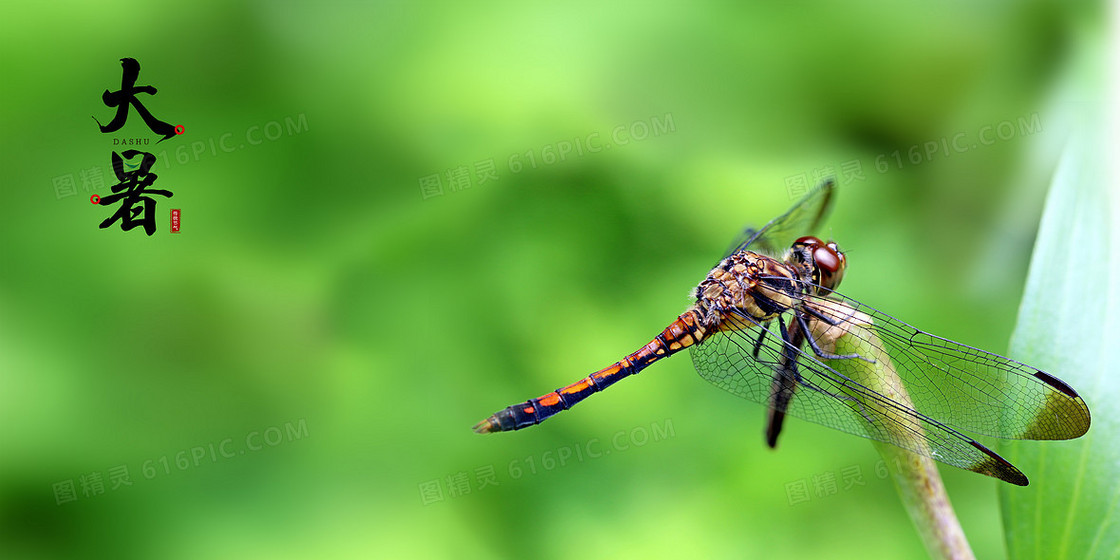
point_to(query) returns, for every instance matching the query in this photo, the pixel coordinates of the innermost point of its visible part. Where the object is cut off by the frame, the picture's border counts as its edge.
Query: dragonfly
(768, 325)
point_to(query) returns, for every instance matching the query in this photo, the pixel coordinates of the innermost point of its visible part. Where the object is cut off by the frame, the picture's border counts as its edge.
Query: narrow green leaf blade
(1069, 326)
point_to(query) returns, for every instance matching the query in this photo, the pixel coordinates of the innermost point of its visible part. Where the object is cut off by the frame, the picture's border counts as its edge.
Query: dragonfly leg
(786, 379)
(822, 316)
(817, 349)
(758, 343)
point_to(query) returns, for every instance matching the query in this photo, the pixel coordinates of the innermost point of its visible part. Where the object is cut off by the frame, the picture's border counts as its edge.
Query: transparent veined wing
(802, 219)
(948, 386)
(972, 389)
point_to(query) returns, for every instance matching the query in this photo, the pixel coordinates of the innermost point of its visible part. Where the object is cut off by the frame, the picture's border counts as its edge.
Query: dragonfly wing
(735, 360)
(972, 389)
(803, 219)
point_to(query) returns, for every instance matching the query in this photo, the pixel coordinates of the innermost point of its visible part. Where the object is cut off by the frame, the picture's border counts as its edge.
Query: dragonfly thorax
(746, 284)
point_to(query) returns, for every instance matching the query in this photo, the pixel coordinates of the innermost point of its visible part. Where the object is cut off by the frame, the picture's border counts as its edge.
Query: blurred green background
(296, 372)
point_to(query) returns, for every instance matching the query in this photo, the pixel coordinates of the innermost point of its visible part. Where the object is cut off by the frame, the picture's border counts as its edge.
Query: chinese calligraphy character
(126, 96)
(129, 193)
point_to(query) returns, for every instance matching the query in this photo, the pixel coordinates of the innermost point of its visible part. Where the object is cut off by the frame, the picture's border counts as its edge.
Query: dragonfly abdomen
(686, 330)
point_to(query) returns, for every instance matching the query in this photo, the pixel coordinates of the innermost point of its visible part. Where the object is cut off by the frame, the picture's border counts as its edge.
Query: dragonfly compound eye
(808, 240)
(829, 265)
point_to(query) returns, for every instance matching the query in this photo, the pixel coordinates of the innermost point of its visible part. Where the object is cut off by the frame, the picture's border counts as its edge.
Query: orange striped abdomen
(687, 330)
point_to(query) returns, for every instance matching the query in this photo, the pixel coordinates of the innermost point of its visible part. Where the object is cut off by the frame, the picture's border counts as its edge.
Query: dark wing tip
(1056, 383)
(1018, 479)
(1064, 414)
(997, 467)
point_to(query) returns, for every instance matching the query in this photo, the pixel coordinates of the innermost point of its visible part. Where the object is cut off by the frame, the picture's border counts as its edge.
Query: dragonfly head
(824, 261)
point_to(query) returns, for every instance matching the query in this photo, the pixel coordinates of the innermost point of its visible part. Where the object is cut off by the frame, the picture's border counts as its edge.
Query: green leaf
(1068, 326)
